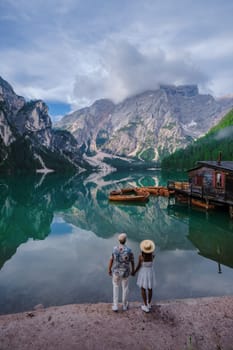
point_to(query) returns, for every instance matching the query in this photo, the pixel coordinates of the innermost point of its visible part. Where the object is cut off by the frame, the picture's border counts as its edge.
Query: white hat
(122, 237)
(147, 246)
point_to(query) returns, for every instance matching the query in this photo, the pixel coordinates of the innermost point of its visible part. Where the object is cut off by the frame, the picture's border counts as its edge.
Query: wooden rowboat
(157, 190)
(151, 189)
(129, 195)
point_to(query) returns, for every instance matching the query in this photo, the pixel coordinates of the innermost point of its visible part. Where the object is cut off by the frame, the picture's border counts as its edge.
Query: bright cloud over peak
(74, 52)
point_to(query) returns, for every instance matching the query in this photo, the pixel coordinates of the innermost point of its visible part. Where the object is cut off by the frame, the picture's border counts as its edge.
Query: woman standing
(145, 278)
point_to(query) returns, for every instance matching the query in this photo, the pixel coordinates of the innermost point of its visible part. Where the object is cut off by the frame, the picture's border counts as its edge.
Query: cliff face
(147, 126)
(27, 140)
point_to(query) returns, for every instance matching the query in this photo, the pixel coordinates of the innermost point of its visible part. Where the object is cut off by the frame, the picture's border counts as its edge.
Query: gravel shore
(188, 324)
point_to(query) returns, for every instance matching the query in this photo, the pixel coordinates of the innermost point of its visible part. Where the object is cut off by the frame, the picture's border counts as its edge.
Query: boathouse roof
(223, 165)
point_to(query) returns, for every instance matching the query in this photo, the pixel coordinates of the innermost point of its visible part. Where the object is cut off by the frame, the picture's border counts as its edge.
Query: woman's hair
(147, 255)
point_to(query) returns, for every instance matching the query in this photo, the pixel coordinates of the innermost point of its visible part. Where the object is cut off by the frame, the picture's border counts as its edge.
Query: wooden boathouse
(210, 184)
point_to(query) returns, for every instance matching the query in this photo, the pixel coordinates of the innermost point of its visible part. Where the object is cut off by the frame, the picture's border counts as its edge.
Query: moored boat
(151, 189)
(129, 195)
(157, 190)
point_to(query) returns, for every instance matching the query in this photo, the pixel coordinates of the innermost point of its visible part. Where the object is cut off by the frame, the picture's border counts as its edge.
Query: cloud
(125, 71)
(76, 52)
(225, 133)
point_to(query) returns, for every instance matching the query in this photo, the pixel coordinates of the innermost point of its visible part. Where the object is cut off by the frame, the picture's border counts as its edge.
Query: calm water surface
(57, 234)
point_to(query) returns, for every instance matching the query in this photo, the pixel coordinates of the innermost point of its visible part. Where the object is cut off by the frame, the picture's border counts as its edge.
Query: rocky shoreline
(188, 324)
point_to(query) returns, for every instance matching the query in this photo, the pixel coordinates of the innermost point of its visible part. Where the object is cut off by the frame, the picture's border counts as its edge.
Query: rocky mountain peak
(101, 109)
(181, 90)
(102, 105)
(33, 117)
(147, 126)
(27, 140)
(9, 101)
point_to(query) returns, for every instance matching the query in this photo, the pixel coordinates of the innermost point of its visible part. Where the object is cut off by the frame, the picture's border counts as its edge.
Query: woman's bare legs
(149, 295)
(143, 292)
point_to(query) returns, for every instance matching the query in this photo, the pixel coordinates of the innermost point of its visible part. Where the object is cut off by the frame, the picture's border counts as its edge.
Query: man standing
(119, 269)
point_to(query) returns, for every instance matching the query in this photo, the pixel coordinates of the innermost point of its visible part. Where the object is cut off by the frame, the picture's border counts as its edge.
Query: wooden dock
(185, 192)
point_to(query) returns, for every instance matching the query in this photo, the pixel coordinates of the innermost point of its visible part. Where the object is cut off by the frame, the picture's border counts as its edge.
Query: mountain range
(148, 126)
(142, 129)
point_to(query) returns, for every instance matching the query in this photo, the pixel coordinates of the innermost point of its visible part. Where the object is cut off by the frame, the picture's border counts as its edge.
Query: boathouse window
(218, 180)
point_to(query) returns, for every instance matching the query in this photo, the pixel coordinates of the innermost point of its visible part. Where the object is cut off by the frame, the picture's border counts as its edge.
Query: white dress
(146, 277)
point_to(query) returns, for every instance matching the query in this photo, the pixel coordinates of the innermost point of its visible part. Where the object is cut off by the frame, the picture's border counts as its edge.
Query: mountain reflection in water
(57, 233)
(27, 208)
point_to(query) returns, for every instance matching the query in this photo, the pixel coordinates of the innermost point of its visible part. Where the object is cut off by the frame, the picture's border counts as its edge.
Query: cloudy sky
(72, 52)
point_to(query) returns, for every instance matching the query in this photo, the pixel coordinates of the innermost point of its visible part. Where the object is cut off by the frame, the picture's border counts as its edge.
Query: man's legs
(116, 283)
(125, 292)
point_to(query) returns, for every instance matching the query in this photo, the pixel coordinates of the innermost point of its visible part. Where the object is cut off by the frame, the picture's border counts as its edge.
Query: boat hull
(129, 195)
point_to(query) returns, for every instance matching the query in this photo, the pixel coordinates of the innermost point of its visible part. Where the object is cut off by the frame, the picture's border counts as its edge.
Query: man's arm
(110, 266)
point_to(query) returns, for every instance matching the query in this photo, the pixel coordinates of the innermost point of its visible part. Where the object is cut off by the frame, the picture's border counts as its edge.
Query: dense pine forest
(219, 138)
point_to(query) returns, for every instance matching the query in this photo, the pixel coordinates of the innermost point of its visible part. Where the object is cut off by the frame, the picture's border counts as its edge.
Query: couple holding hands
(119, 268)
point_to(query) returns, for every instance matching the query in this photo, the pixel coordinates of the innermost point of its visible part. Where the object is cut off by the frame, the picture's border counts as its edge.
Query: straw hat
(147, 246)
(122, 237)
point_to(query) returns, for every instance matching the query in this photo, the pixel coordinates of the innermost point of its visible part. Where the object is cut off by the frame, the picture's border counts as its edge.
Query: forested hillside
(219, 138)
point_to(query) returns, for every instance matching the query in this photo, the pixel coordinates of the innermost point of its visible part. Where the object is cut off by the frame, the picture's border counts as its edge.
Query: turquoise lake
(57, 235)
